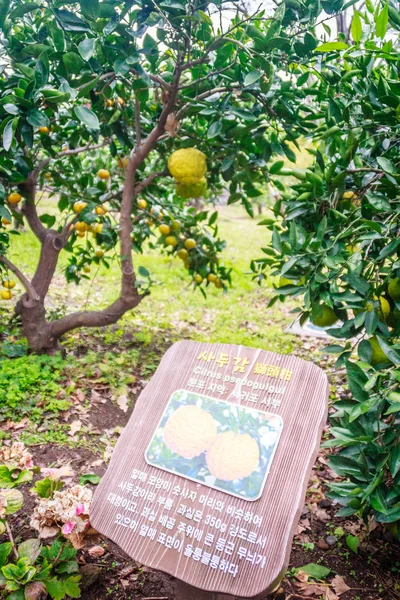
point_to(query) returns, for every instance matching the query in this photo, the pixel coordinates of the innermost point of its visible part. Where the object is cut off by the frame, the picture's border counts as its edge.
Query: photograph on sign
(222, 445)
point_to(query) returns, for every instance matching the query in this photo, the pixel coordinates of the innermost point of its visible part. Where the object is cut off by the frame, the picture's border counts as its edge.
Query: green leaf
(356, 27)
(23, 9)
(8, 134)
(87, 117)
(90, 477)
(45, 488)
(382, 21)
(214, 129)
(86, 48)
(90, 9)
(37, 118)
(252, 77)
(353, 542)
(390, 352)
(30, 549)
(386, 164)
(330, 46)
(5, 550)
(395, 461)
(69, 21)
(315, 571)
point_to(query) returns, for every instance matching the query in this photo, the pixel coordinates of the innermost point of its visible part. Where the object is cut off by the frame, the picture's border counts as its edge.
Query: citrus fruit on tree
(123, 162)
(183, 253)
(176, 225)
(190, 244)
(9, 284)
(44, 130)
(191, 190)
(198, 278)
(233, 456)
(14, 198)
(99, 253)
(164, 229)
(384, 307)
(171, 240)
(189, 431)
(6, 294)
(142, 203)
(187, 165)
(5, 221)
(100, 210)
(212, 278)
(394, 289)
(103, 174)
(324, 316)
(79, 206)
(349, 195)
(378, 355)
(81, 226)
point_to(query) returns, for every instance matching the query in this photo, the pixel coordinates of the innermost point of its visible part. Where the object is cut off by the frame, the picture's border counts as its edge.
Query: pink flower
(68, 527)
(79, 509)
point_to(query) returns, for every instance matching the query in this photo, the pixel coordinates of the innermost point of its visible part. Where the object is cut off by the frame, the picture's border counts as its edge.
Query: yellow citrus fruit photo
(81, 226)
(103, 174)
(171, 240)
(100, 210)
(189, 431)
(183, 253)
(384, 309)
(212, 278)
(187, 165)
(378, 355)
(44, 130)
(142, 203)
(14, 198)
(164, 229)
(233, 456)
(9, 284)
(198, 278)
(5, 221)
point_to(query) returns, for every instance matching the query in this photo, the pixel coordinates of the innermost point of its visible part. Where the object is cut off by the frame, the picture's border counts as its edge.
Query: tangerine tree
(335, 244)
(98, 98)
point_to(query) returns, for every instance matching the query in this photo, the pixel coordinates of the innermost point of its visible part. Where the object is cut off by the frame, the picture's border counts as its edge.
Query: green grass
(174, 310)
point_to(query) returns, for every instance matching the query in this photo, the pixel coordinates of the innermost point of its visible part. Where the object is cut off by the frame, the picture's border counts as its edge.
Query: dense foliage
(336, 243)
(88, 85)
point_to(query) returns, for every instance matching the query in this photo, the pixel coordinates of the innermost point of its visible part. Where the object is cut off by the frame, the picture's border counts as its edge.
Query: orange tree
(97, 96)
(335, 243)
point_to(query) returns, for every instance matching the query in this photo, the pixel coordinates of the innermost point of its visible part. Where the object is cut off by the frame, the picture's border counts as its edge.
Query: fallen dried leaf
(339, 585)
(96, 551)
(75, 426)
(172, 125)
(122, 402)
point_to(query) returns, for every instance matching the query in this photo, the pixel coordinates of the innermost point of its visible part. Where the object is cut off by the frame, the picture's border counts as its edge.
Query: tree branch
(25, 282)
(28, 189)
(138, 133)
(71, 152)
(203, 96)
(141, 185)
(212, 74)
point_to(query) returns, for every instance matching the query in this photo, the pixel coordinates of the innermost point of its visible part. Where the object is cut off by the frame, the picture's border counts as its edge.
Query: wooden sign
(208, 479)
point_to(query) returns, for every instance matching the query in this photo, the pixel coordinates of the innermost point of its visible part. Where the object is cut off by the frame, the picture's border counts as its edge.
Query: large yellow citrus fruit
(325, 317)
(103, 174)
(233, 456)
(394, 289)
(5, 221)
(191, 190)
(384, 307)
(187, 165)
(9, 284)
(81, 226)
(6, 294)
(171, 240)
(378, 355)
(212, 278)
(348, 195)
(183, 253)
(100, 210)
(142, 203)
(189, 431)
(14, 198)
(198, 278)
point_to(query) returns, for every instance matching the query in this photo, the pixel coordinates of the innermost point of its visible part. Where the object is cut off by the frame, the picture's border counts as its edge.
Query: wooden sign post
(208, 479)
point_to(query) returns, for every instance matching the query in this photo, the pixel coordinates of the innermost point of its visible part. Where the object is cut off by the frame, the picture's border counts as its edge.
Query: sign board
(208, 479)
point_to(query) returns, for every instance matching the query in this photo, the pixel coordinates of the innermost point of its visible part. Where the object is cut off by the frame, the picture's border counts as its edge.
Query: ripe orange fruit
(99, 253)
(79, 206)
(44, 130)
(98, 228)
(164, 229)
(47, 176)
(198, 278)
(218, 284)
(212, 278)
(171, 240)
(233, 456)
(100, 210)
(5, 221)
(6, 294)
(189, 431)
(14, 198)
(142, 203)
(86, 269)
(81, 234)
(176, 225)
(9, 284)
(81, 226)
(103, 174)
(190, 244)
